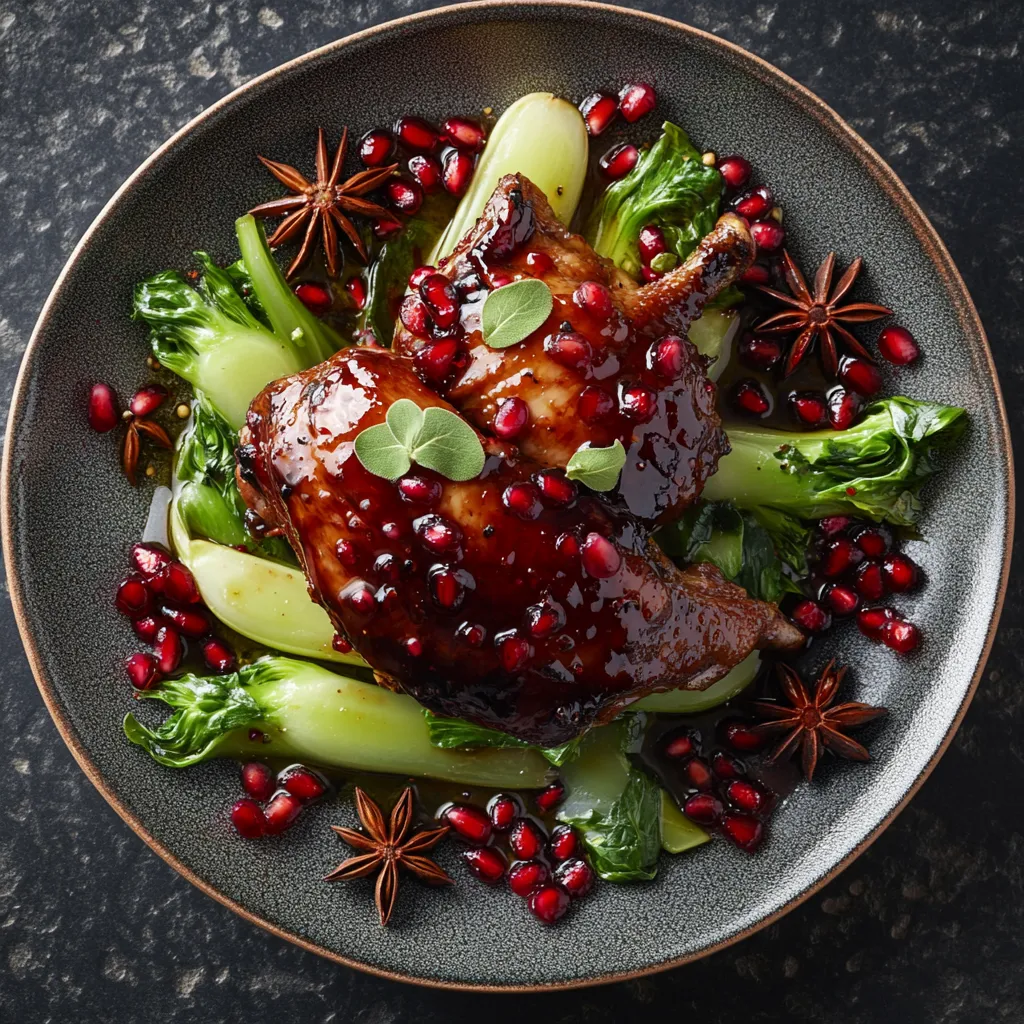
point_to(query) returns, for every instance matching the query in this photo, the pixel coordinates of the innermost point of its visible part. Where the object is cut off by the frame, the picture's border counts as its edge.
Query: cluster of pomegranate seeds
(600, 109)
(856, 566)
(504, 843)
(720, 793)
(161, 599)
(273, 803)
(436, 159)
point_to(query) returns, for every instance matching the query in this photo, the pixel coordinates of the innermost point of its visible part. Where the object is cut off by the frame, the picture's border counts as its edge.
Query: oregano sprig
(512, 313)
(434, 438)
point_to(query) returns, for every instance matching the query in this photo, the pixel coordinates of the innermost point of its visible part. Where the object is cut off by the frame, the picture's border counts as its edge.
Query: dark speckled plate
(67, 532)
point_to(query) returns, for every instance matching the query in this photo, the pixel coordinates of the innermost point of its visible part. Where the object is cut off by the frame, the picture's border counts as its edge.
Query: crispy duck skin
(539, 616)
(601, 383)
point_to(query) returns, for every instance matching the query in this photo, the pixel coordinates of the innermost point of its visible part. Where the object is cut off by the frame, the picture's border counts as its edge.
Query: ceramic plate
(67, 531)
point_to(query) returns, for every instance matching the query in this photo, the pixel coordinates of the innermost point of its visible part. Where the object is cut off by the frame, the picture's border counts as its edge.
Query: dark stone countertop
(925, 926)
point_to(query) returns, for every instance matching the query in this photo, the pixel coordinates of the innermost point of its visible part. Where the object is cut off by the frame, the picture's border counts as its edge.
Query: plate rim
(882, 174)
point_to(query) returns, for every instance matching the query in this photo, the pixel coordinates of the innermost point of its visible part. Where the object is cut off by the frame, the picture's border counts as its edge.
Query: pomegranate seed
(667, 357)
(619, 161)
(681, 746)
(752, 398)
(464, 134)
(219, 657)
(600, 557)
(726, 767)
(503, 809)
(544, 619)
(636, 100)
(744, 831)
(703, 808)
(341, 644)
(576, 877)
(526, 877)
(839, 555)
(419, 490)
(147, 400)
(639, 403)
(513, 652)
(564, 842)
(413, 646)
(874, 541)
(756, 273)
(192, 622)
(868, 581)
(762, 353)
(386, 227)
(457, 172)
(143, 670)
(755, 204)
(549, 797)
(147, 628)
(555, 487)
(843, 408)
(303, 784)
(549, 903)
(861, 376)
(248, 819)
(468, 822)
(376, 148)
(698, 773)
(179, 585)
(599, 110)
(898, 346)
(440, 297)
(169, 649)
(315, 297)
(487, 863)
(359, 597)
(420, 274)
(745, 796)
(651, 243)
(540, 263)
(831, 525)
(499, 279)
(416, 134)
(258, 780)
(842, 599)
(446, 587)
(346, 552)
(871, 621)
(133, 598)
(435, 361)
(567, 545)
(740, 736)
(405, 196)
(356, 288)
(281, 813)
(426, 171)
(810, 616)
(523, 499)
(809, 408)
(569, 349)
(900, 573)
(901, 636)
(735, 171)
(525, 839)
(103, 414)
(768, 234)
(594, 298)
(595, 404)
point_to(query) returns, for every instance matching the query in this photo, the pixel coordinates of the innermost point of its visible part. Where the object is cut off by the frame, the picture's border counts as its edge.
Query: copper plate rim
(880, 172)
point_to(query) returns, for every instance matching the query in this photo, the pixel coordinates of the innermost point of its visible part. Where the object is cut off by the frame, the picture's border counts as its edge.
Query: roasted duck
(510, 599)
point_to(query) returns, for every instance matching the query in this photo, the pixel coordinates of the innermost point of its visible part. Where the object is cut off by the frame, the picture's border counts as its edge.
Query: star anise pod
(139, 426)
(322, 205)
(818, 314)
(810, 722)
(386, 848)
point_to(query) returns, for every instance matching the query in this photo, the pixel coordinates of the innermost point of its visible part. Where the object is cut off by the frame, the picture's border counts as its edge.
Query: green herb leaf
(382, 453)
(511, 314)
(457, 733)
(405, 420)
(434, 438)
(664, 262)
(598, 468)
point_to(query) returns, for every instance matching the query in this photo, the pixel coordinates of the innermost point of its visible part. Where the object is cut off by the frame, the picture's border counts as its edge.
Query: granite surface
(923, 927)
